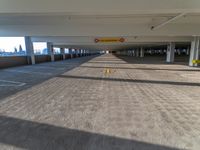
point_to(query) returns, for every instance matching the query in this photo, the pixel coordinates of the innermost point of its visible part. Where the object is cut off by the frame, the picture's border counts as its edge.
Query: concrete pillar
(141, 52)
(137, 52)
(29, 50)
(170, 52)
(195, 51)
(70, 52)
(77, 52)
(188, 51)
(178, 51)
(62, 51)
(50, 51)
(83, 52)
(88, 51)
(133, 53)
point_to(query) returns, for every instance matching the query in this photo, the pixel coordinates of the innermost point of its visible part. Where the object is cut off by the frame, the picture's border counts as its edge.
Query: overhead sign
(109, 40)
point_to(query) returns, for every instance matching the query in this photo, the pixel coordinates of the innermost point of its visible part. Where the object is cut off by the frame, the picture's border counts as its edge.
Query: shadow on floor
(105, 62)
(154, 69)
(131, 80)
(31, 80)
(30, 135)
(160, 60)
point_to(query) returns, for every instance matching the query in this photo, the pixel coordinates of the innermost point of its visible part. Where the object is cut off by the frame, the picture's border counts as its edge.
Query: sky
(39, 45)
(9, 43)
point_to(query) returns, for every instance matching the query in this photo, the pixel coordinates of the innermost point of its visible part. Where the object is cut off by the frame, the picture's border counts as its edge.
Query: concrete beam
(89, 7)
(168, 21)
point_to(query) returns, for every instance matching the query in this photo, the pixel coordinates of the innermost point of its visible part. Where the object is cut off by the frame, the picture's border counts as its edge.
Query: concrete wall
(67, 56)
(42, 58)
(13, 61)
(58, 57)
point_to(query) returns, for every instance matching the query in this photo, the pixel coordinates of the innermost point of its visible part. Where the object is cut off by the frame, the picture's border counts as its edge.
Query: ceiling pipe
(168, 21)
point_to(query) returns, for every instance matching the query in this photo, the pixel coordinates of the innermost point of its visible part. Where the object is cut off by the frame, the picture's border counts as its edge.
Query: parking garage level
(100, 102)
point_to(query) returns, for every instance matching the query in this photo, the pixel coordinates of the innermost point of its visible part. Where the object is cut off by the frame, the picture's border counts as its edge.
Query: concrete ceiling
(77, 23)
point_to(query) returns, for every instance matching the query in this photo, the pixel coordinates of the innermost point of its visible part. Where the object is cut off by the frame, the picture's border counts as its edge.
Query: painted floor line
(11, 83)
(58, 68)
(30, 72)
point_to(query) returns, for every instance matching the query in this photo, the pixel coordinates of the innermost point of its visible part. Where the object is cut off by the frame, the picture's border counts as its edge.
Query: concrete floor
(100, 103)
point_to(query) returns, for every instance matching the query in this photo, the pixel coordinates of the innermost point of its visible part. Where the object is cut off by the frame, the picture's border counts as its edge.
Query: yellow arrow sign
(109, 40)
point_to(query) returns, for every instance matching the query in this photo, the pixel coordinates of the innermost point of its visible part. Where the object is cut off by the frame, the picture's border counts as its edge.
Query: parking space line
(11, 83)
(29, 72)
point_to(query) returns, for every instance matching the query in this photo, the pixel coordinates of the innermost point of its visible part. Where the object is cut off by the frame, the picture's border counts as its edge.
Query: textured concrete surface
(100, 103)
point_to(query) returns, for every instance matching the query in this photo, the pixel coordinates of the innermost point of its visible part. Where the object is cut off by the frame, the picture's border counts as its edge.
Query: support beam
(29, 50)
(170, 52)
(50, 51)
(195, 51)
(168, 21)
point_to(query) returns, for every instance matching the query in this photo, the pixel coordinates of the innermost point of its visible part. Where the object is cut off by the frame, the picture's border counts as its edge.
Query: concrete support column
(80, 52)
(195, 51)
(70, 52)
(178, 51)
(50, 51)
(141, 52)
(188, 51)
(77, 52)
(170, 52)
(29, 50)
(62, 51)
(137, 52)
(86, 53)
(133, 53)
(83, 52)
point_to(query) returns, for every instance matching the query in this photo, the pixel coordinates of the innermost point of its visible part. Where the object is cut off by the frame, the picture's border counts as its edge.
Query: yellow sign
(109, 40)
(196, 61)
